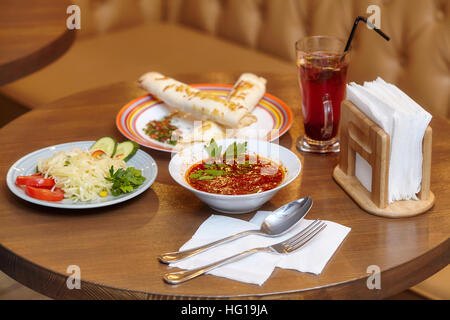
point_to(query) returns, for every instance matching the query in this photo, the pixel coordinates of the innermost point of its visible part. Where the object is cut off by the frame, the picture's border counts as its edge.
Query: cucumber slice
(106, 144)
(126, 150)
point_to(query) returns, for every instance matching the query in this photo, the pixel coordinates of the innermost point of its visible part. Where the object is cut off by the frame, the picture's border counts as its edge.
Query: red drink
(322, 72)
(322, 76)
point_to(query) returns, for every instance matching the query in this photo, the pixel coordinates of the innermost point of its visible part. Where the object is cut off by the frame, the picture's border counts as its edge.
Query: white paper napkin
(257, 268)
(405, 122)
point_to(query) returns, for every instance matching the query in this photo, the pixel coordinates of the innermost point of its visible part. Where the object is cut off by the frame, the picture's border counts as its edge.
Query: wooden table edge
(53, 284)
(37, 60)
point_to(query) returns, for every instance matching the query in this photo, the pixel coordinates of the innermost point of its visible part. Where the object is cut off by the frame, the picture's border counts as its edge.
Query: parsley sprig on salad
(124, 181)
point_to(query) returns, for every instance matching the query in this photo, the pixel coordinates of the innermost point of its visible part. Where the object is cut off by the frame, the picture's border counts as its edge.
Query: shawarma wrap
(200, 104)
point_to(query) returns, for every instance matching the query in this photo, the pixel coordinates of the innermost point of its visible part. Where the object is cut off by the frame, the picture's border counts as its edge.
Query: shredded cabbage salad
(78, 174)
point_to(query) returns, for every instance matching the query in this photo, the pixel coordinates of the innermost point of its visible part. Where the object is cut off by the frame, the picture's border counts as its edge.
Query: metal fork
(287, 246)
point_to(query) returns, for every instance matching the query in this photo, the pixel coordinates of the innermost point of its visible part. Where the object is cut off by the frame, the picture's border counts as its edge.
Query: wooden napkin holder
(360, 134)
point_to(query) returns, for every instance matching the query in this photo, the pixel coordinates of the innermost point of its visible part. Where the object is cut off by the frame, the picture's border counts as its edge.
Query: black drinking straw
(359, 18)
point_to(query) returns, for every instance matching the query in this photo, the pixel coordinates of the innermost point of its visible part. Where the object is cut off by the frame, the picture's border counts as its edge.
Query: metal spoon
(277, 223)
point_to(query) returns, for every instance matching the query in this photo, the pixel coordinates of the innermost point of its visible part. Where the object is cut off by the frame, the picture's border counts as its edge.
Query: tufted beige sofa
(121, 39)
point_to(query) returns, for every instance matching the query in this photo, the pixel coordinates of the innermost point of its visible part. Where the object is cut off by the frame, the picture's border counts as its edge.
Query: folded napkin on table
(405, 122)
(257, 268)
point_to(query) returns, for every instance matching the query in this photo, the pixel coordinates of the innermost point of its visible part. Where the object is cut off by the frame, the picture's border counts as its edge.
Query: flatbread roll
(248, 91)
(198, 103)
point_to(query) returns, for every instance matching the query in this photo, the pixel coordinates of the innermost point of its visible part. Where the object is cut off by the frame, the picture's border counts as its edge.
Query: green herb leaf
(213, 172)
(172, 142)
(206, 178)
(214, 151)
(124, 181)
(235, 150)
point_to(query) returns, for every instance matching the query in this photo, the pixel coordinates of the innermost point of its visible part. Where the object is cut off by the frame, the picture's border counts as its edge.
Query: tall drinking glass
(322, 73)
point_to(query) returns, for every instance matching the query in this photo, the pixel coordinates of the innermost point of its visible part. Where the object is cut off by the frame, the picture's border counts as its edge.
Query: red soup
(253, 175)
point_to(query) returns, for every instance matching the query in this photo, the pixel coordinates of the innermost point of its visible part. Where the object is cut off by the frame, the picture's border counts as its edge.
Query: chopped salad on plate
(85, 175)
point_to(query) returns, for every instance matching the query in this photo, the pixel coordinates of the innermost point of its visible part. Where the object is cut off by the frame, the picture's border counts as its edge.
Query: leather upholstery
(126, 54)
(417, 59)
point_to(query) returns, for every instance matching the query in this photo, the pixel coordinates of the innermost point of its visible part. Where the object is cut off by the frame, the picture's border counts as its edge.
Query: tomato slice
(35, 181)
(97, 153)
(45, 194)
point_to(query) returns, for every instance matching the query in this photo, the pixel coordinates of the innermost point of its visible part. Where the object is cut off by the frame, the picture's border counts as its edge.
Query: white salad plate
(27, 166)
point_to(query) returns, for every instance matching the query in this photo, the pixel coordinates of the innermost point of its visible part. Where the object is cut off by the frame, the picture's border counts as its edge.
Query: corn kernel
(103, 194)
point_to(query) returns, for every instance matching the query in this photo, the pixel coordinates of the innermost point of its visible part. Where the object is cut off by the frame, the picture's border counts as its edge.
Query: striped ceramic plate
(274, 117)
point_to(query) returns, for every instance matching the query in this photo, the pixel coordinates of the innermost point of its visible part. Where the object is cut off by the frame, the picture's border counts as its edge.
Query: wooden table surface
(32, 35)
(116, 247)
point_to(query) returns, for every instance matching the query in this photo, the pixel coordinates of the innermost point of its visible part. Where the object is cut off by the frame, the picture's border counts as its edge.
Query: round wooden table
(116, 247)
(32, 35)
